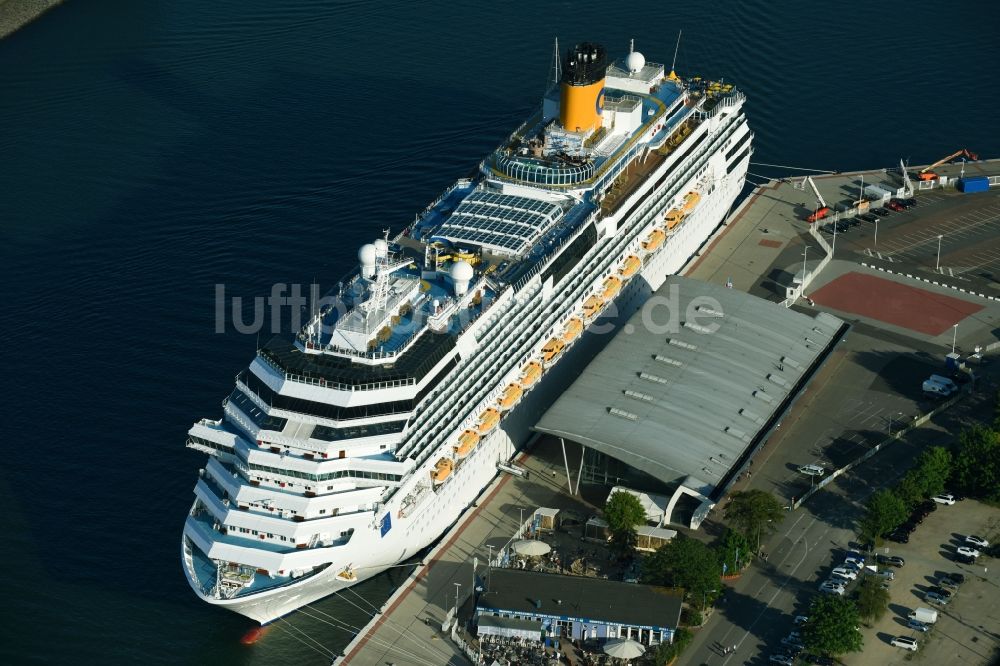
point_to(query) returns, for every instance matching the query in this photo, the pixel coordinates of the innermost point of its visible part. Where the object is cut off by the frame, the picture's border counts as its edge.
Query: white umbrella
(624, 649)
(531, 548)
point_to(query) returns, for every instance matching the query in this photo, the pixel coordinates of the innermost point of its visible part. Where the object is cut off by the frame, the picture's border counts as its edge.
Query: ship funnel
(582, 88)
(461, 275)
(366, 256)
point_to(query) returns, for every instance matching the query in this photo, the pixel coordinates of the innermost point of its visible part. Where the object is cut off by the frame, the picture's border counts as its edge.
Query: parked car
(782, 658)
(891, 560)
(882, 212)
(944, 499)
(845, 572)
(909, 203)
(968, 552)
(885, 574)
(957, 577)
(977, 541)
(816, 659)
(936, 598)
(899, 536)
(905, 642)
(964, 559)
(895, 205)
(939, 590)
(812, 470)
(801, 619)
(917, 626)
(832, 587)
(868, 217)
(945, 581)
(794, 642)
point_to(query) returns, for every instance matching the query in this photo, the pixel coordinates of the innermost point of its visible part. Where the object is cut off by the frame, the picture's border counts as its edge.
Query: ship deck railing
(326, 383)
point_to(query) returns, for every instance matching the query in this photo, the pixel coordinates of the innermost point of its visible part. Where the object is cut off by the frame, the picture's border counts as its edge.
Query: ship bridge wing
(505, 224)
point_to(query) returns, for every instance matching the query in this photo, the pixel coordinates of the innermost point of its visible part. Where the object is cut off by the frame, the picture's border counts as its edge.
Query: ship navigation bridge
(679, 407)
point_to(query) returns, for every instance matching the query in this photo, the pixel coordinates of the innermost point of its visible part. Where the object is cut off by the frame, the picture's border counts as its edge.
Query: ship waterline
(355, 445)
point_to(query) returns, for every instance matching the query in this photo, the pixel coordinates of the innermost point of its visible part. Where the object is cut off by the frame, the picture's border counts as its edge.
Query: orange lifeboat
(530, 374)
(466, 442)
(591, 306)
(552, 349)
(653, 241)
(611, 288)
(488, 420)
(673, 218)
(573, 330)
(510, 396)
(691, 200)
(442, 470)
(630, 266)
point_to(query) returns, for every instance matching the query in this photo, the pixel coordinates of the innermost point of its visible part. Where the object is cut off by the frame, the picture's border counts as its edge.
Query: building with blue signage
(577, 607)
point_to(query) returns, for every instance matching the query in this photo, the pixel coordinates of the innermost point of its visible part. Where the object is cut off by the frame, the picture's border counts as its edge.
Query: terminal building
(535, 605)
(689, 389)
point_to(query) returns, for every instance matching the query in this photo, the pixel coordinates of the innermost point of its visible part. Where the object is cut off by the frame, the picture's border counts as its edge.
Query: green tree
(624, 513)
(873, 599)
(884, 512)
(977, 463)
(734, 551)
(687, 563)
(753, 512)
(832, 627)
(667, 652)
(909, 490)
(932, 470)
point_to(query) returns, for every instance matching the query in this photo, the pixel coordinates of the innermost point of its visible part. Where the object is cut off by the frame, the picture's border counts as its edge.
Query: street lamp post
(954, 337)
(875, 247)
(805, 254)
(458, 586)
(937, 264)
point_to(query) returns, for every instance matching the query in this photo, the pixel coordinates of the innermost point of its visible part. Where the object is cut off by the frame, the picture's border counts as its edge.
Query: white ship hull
(369, 552)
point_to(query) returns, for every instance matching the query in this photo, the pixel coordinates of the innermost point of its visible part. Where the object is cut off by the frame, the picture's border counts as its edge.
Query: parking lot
(968, 627)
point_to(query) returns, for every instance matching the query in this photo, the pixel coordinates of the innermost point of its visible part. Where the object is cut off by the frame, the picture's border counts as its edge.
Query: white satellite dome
(366, 257)
(635, 61)
(381, 247)
(461, 274)
(462, 270)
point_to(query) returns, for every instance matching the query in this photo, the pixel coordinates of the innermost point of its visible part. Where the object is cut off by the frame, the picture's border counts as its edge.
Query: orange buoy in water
(253, 635)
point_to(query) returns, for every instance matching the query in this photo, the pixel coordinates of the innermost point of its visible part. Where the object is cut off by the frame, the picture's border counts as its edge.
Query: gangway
(907, 183)
(511, 468)
(927, 173)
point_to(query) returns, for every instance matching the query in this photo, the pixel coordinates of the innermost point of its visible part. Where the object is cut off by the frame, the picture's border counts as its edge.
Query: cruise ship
(355, 443)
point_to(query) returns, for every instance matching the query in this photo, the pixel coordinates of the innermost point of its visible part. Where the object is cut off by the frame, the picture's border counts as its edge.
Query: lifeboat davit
(630, 266)
(653, 241)
(573, 330)
(611, 288)
(552, 349)
(254, 635)
(442, 470)
(488, 420)
(510, 396)
(592, 306)
(466, 442)
(530, 374)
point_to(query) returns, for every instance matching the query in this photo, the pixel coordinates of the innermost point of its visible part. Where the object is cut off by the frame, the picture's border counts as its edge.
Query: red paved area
(771, 243)
(894, 303)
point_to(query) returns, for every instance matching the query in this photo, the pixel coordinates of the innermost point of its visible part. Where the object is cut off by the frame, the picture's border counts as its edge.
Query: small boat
(653, 241)
(466, 442)
(630, 266)
(442, 470)
(488, 420)
(691, 200)
(592, 306)
(347, 574)
(673, 218)
(254, 635)
(530, 374)
(573, 330)
(611, 288)
(510, 396)
(552, 349)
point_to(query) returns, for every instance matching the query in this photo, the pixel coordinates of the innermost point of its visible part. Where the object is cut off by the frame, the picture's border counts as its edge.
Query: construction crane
(928, 173)
(823, 210)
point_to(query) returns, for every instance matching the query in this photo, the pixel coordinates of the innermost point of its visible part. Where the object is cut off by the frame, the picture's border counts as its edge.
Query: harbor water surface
(154, 150)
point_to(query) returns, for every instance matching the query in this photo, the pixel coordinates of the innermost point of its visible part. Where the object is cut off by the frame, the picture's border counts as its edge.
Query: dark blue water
(149, 151)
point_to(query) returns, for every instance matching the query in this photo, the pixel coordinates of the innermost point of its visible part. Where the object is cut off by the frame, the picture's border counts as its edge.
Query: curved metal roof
(686, 386)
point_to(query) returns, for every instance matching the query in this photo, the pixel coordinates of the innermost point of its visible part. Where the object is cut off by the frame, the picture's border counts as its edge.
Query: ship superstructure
(354, 445)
